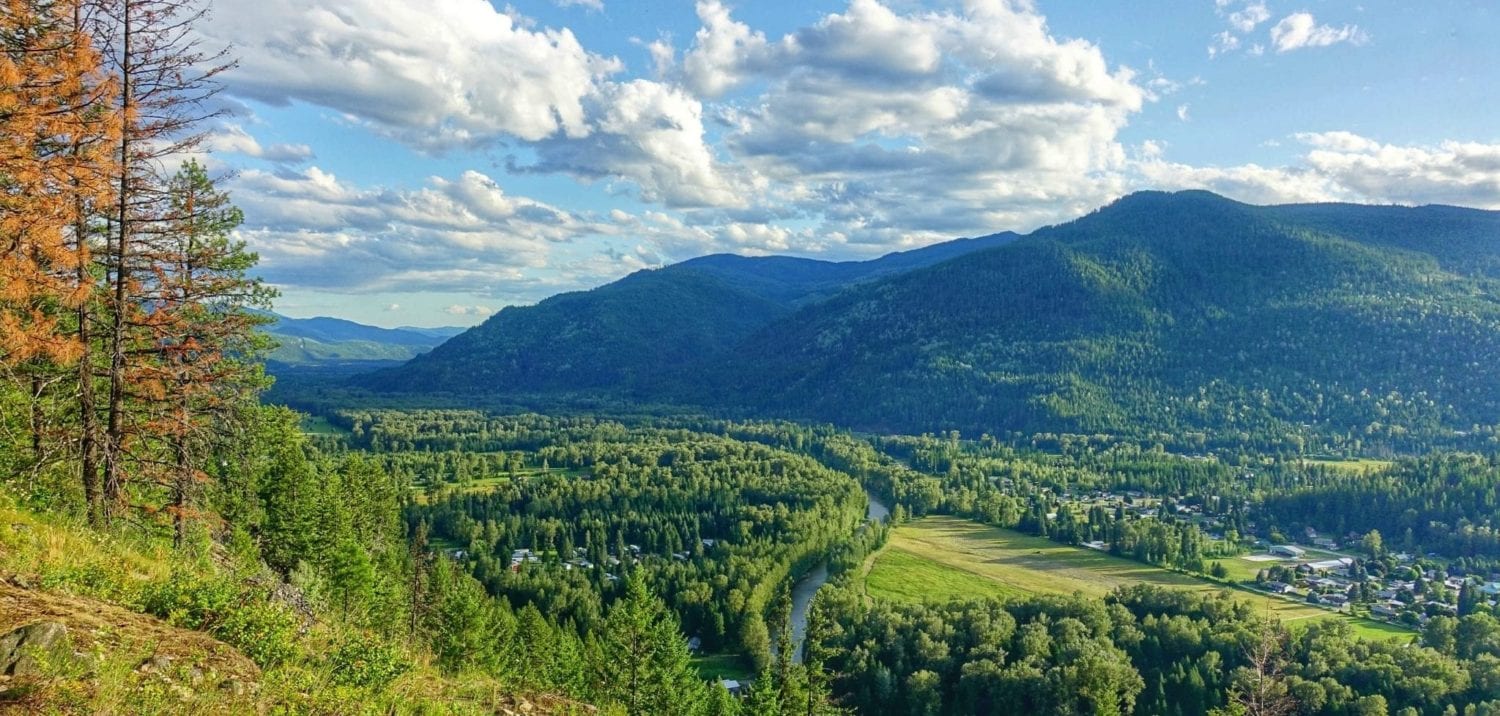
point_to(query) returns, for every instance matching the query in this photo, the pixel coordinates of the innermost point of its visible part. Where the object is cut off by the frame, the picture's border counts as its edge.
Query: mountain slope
(628, 337)
(1158, 313)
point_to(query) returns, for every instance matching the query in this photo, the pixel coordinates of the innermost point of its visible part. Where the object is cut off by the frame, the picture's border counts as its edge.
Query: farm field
(940, 558)
(1362, 466)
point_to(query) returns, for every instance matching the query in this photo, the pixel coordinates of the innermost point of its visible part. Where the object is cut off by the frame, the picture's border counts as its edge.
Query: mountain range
(1161, 314)
(323, 341)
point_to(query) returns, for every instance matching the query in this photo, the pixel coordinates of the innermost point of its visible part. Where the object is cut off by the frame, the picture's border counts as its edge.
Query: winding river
(808, 585)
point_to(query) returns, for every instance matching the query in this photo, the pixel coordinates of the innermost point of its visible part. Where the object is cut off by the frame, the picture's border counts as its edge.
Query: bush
(261, 629)
(364, 661)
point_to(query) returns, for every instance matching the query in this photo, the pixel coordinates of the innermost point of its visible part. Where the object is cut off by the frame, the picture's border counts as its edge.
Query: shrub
(263, 630)
(364, 661)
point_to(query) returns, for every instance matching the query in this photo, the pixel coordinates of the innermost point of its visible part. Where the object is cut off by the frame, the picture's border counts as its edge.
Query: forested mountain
(1178, 312)
(1183, 312)
(635, 333)
(322, 340)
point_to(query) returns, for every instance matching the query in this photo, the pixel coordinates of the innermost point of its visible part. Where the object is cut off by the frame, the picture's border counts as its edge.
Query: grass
(319, 425)
(94, 582)
(487, 484)
(938, 558)
(1359, 466)
(723, 666)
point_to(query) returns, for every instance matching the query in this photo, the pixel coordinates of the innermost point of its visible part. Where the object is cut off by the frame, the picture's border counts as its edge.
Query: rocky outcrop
(26, 650)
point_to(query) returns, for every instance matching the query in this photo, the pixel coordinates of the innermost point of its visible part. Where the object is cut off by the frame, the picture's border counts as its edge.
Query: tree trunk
(182, 481)
(115, 430)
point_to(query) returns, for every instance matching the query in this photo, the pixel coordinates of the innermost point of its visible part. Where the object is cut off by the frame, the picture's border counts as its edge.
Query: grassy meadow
(942, 558)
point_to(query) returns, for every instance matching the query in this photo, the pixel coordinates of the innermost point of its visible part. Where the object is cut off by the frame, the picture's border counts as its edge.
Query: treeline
(1448, 504)
(1143, 650)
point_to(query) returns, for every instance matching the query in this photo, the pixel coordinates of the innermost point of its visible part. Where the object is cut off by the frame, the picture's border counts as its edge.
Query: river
(808, 585)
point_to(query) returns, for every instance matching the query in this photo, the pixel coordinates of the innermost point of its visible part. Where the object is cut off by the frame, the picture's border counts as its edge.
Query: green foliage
(362, 661)
(640, 660)
(264, 630)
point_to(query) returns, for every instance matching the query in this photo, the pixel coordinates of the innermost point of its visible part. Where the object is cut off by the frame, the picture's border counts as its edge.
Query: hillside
(1159, 314)
(1183, 312)
(628, 337)
(122, 623)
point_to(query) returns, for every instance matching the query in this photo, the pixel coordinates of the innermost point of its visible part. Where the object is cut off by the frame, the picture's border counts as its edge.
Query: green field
(486, 484)
(1362, 466)
(940, 558)
(1243, 569)
(319, 425)
(723, 666)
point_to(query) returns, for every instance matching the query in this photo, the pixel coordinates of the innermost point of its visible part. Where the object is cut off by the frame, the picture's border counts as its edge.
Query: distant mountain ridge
(1173, 313)
(322, 340)
(632, 334)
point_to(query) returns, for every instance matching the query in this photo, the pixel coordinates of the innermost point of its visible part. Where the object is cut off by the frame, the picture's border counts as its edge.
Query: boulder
(25, 649)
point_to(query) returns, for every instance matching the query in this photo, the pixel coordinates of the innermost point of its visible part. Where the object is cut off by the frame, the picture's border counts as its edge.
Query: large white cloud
(877, 127)
(460, 234)
(897, 127)
(437, 73)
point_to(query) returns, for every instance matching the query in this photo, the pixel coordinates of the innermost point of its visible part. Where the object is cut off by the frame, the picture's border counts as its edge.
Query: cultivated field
(939, 558)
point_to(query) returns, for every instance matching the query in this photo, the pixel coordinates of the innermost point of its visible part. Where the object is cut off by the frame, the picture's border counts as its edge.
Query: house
(1289, 551)
(1491, 590)
(709, 543)
(733, 687)
(1278, 587)
(1337, 600)
(1387, 610)
(1096, 544)
(1326, 543)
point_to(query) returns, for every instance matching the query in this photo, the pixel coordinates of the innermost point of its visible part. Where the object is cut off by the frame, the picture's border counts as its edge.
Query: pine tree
(202, 322)
(55, 125)
(641, 660)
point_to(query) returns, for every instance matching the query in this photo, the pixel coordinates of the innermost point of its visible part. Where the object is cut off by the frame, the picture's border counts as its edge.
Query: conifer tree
(641, 660)
(163, 80)
(202, 321)
(55, 125)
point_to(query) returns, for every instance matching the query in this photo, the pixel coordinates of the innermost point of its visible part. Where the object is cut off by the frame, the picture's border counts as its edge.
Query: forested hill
(636, 333)
(1173, 313)
(1163, 312)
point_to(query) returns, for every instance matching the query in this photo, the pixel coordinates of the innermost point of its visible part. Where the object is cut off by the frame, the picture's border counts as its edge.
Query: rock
(25, 650)
(158, 663)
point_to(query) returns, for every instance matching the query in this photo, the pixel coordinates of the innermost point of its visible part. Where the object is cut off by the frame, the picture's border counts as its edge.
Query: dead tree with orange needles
(55, 125)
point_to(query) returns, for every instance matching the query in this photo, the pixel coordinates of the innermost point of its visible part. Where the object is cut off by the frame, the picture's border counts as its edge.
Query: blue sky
(426, 163)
